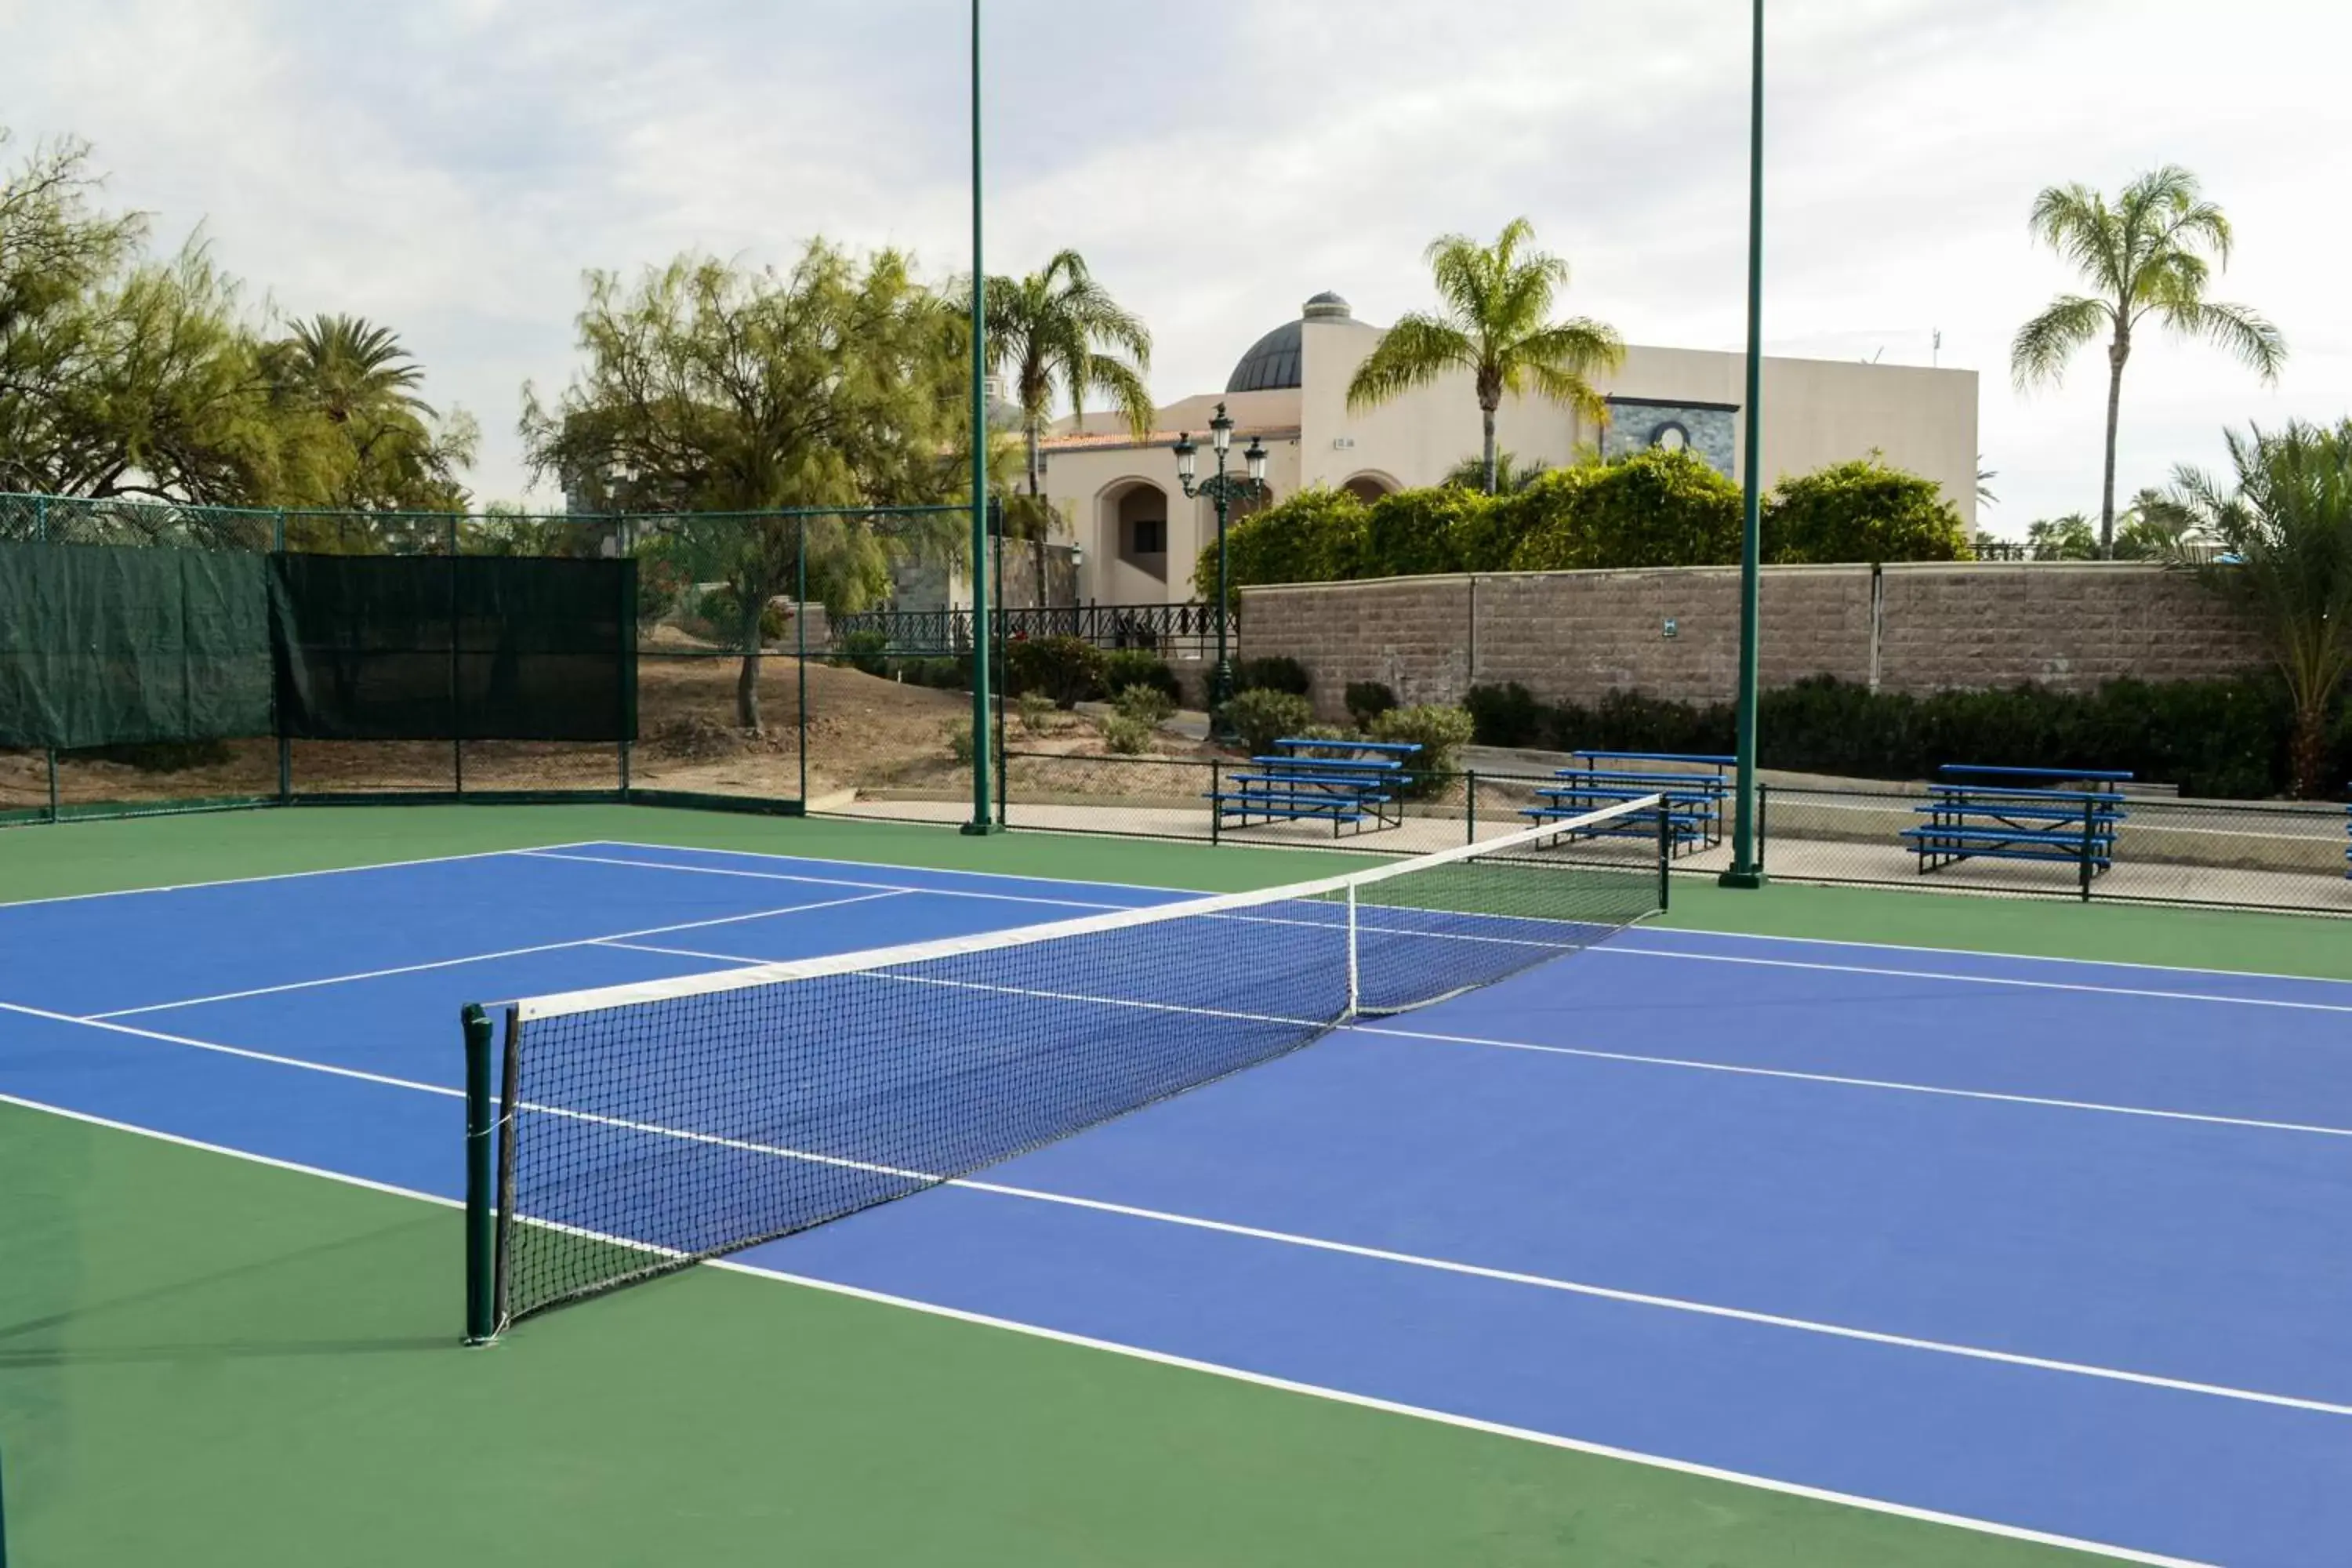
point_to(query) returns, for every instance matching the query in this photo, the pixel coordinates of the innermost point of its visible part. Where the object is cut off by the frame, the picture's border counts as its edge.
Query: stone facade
(1708, 429)
(1674, 633)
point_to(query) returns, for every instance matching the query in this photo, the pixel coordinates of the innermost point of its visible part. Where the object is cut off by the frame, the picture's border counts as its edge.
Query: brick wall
(1578, 635)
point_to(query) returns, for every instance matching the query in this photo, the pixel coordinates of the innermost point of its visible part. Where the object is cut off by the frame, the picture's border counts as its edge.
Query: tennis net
(641, 1128)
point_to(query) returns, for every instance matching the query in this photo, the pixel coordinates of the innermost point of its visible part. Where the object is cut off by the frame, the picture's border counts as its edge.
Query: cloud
(451, 166)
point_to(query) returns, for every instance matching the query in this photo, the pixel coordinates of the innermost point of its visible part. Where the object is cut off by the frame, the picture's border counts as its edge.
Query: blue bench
(1302, 780)
(1983, 812)
(1693, 799)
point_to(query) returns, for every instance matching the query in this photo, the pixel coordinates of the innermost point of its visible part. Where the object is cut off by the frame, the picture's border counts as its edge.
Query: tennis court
(1693, 1247)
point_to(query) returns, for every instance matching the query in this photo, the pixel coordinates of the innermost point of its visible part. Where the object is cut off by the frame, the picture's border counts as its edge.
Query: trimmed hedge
(2219, 738)
(1655, 508)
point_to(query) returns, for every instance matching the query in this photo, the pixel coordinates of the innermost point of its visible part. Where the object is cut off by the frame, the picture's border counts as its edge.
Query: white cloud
(451, 167)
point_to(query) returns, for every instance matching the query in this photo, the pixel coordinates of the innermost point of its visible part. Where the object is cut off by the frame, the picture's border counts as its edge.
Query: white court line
(284, 876)
(243, 1052)
(612, 941)
(1705, 935)
(826, 881)
(2013, 981)
(1309, 1242)
(1842, 1081)
(1212, 1369)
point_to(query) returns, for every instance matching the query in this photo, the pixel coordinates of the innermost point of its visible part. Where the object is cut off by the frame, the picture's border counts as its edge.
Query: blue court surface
(2055, 1247)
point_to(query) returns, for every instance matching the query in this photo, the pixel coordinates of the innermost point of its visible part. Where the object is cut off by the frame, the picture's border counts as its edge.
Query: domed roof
(1271, 363)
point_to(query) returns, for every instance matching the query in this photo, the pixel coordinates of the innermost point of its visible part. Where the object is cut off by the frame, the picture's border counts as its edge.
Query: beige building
(1138, 536)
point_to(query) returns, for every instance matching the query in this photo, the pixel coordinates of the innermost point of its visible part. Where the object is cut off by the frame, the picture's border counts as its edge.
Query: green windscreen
(102, 646)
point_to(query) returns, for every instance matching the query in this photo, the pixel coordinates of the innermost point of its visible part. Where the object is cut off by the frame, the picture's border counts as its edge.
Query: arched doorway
(1369, 488)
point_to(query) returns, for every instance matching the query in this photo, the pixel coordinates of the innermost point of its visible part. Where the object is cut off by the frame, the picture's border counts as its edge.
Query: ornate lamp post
(1223, 488)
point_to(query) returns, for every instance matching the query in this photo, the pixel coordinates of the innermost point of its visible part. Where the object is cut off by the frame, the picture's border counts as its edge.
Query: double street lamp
(1223, 488)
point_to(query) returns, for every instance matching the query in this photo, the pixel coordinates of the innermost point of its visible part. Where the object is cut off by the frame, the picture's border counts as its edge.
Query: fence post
(1470, 806)
(51, 753)
(1763, 798)
(1216, 806)
(481, 1123)
(2090, 839)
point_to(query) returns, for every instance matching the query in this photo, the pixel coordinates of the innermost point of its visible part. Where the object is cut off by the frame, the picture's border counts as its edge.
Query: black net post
(1665, 851)
(1470, 806)
(1216, 806)
(2090, 839)
(481, 1179)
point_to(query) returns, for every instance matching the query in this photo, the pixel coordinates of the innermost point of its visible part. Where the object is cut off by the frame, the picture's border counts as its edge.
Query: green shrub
(1313, 536)
(1658, 508)
(866, 651)
(1861, 511)
(1263, 716)
(2223, 738)
(1272, 674)
(1123, 736)
(659, 583)
(957, 736)
(1146, 705)
(718, 609)
(1037, 714)
(1367, 701)
(1507, 716)
(1124, 668)
(1411, 534)
(1069, 671)
(1324, 732)
(1440, 731)
(946, 674)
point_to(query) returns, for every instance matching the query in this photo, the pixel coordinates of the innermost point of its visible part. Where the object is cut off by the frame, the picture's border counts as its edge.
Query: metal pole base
(1749, 881)
(981, 829)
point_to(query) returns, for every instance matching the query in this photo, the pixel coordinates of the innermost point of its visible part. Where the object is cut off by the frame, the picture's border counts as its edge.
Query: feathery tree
(2284, 526)
(839, 383)
(361, 437)
(1496, 325)
(1058, 333)
(2145, 255)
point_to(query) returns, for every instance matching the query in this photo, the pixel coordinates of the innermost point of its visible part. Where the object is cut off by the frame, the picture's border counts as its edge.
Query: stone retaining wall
(1576, 635)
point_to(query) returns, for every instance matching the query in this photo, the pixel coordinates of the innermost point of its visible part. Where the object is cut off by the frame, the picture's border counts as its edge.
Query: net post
(1216, 806)
(1470, 806)
(481, 1121)
(1354, 974)
(1665, 854)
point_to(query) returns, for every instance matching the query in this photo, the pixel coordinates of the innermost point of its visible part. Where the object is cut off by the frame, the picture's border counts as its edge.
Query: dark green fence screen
(107, 645)
(454, 648)
(101, 646)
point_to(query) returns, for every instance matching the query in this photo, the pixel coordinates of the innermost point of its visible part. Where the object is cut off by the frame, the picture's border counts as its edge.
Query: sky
(450, 168)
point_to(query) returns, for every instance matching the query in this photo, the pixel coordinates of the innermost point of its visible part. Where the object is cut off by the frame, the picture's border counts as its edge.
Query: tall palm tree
(1058, 333)
(2285, 529)
(2145, 255)
(348, 365)
(1497, 324)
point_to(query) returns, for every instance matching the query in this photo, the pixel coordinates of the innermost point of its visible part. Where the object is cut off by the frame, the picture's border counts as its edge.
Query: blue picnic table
(1693, 798)
(1356, 786)
(1981, 810)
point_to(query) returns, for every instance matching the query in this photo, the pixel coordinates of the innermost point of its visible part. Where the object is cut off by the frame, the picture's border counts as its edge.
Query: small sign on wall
(1670, 628)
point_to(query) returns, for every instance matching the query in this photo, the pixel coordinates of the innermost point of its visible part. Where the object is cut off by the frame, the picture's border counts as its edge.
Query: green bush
(1862, 511)
(1263, 716)
(1658, 508)
(2223, 738)
(957, 736)
(718, 608)
(866, 651)
(1037, 712)
(659, 583)
(1314, 536)
(1123, 736)
(946, 674)
(1440, 732)
(1273, 674)
(1411, 534)
(1146, 705)
(1367, 701)
(1069, 671)
(1133, 667)
(1507, 716)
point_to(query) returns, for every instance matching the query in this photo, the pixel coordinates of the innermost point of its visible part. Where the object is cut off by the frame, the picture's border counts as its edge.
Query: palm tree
(2285, 530)
(2144, 256)
(1498, 326)
(348, 365)
(1058, 333)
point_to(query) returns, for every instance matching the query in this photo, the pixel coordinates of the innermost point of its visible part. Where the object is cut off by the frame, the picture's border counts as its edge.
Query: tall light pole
(1745, 872)
(1222, 488)
(983, 815)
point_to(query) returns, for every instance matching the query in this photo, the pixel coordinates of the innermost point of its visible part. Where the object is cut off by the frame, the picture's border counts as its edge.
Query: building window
(1151, 536)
